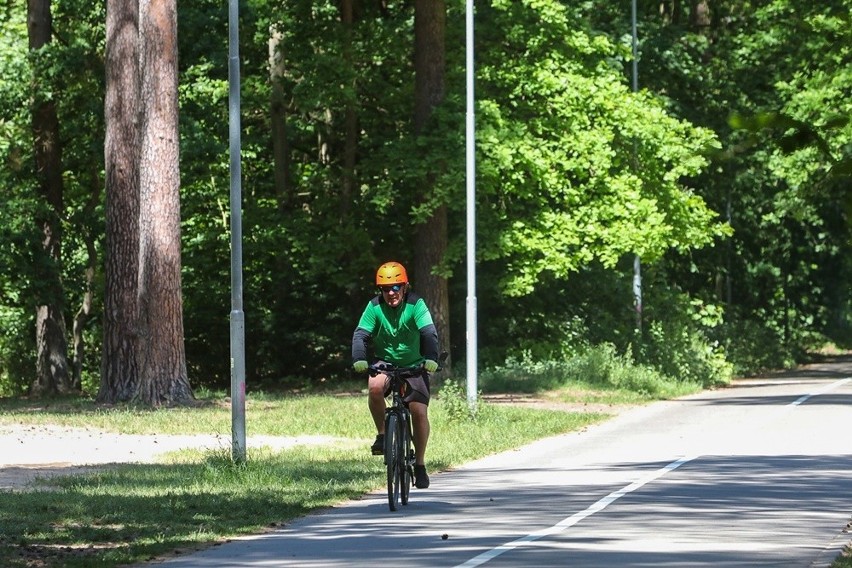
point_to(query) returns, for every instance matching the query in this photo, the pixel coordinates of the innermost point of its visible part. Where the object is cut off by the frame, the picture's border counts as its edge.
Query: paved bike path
(756, 475)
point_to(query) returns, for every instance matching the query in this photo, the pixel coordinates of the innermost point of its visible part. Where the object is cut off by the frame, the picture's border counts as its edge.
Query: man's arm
(359, 344)
(429, 342)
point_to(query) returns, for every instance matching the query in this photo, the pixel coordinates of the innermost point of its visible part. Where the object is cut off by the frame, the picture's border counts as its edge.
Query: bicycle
(399, 453)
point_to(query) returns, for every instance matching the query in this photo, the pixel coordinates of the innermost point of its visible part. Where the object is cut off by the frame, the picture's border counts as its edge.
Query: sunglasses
(394, 288)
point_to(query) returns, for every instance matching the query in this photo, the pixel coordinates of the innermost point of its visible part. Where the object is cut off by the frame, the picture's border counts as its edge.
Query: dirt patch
(31, 452)
(545, 403)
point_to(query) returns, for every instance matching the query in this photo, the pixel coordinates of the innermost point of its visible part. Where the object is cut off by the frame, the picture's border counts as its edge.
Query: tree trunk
(278, 119)
(160, 347)
(83, 314)
(119, 368)
(431, 245)
(700, 16)
(350, 147)
(52, 373)
(431, 238)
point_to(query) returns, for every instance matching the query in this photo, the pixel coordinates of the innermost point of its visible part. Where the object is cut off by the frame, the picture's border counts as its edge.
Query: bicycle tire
(405, 451)
(392, 458)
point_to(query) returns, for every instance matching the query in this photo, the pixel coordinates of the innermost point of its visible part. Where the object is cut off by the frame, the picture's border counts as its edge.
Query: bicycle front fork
(401, 422)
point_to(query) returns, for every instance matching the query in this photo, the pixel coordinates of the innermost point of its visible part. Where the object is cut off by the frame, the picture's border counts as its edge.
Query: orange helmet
(391, 273)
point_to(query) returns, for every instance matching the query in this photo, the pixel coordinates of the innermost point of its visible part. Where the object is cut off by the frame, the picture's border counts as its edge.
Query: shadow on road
(713, 511)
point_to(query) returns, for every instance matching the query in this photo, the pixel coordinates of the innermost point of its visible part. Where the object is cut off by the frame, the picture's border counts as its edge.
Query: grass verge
(845, 558)
(133, 513)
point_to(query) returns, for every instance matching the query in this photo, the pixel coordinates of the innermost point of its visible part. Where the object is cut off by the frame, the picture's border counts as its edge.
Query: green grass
(845, 559)
(132, 513)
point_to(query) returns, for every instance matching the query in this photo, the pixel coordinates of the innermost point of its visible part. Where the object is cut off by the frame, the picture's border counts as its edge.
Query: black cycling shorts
(417, 389)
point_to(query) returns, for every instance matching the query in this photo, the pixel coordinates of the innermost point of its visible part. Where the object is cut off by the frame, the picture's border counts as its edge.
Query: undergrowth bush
(453, 399)
(17, 352)
(686, 355)
(680, 343)
(603, 366)
(755, 346)
(599, 366)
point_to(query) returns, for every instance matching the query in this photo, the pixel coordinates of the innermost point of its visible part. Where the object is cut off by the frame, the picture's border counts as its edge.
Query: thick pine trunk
(52, 372)
(429, 91)
(119, 368)
(160, 347)
(431, 243)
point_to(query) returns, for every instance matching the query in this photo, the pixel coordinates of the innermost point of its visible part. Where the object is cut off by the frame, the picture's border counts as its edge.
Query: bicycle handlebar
(375, 369)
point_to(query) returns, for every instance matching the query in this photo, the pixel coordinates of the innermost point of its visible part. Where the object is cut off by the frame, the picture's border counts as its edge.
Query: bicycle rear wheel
(407, 460)
(393, 459)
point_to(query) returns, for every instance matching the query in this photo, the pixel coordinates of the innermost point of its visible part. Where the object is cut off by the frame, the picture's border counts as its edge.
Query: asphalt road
(755, 475)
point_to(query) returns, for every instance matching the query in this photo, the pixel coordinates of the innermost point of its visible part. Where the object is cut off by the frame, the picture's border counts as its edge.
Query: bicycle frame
(398, 454)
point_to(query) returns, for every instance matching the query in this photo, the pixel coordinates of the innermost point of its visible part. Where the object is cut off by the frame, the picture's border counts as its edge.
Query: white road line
(575, 518)
(612, 497)
(823, 390)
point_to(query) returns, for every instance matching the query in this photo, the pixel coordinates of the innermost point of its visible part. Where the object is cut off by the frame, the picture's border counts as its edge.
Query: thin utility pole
(637, 261)
(470, 159)
(238, 342)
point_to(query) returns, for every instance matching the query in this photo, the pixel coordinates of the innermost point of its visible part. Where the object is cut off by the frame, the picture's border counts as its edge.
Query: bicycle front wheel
(393, 459)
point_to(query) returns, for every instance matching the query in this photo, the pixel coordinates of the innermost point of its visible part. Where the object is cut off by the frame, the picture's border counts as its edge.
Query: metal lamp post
(238, 360)
(470, 168)
(637, 261)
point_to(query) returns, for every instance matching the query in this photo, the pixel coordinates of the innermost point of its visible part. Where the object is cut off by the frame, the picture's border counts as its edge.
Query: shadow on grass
(77, 404)
(131, 513)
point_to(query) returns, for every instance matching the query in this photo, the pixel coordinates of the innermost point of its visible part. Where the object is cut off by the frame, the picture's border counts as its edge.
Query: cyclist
(398, 326)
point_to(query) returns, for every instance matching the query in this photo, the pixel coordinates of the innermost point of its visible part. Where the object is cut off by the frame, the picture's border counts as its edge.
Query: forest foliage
(727, 173)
